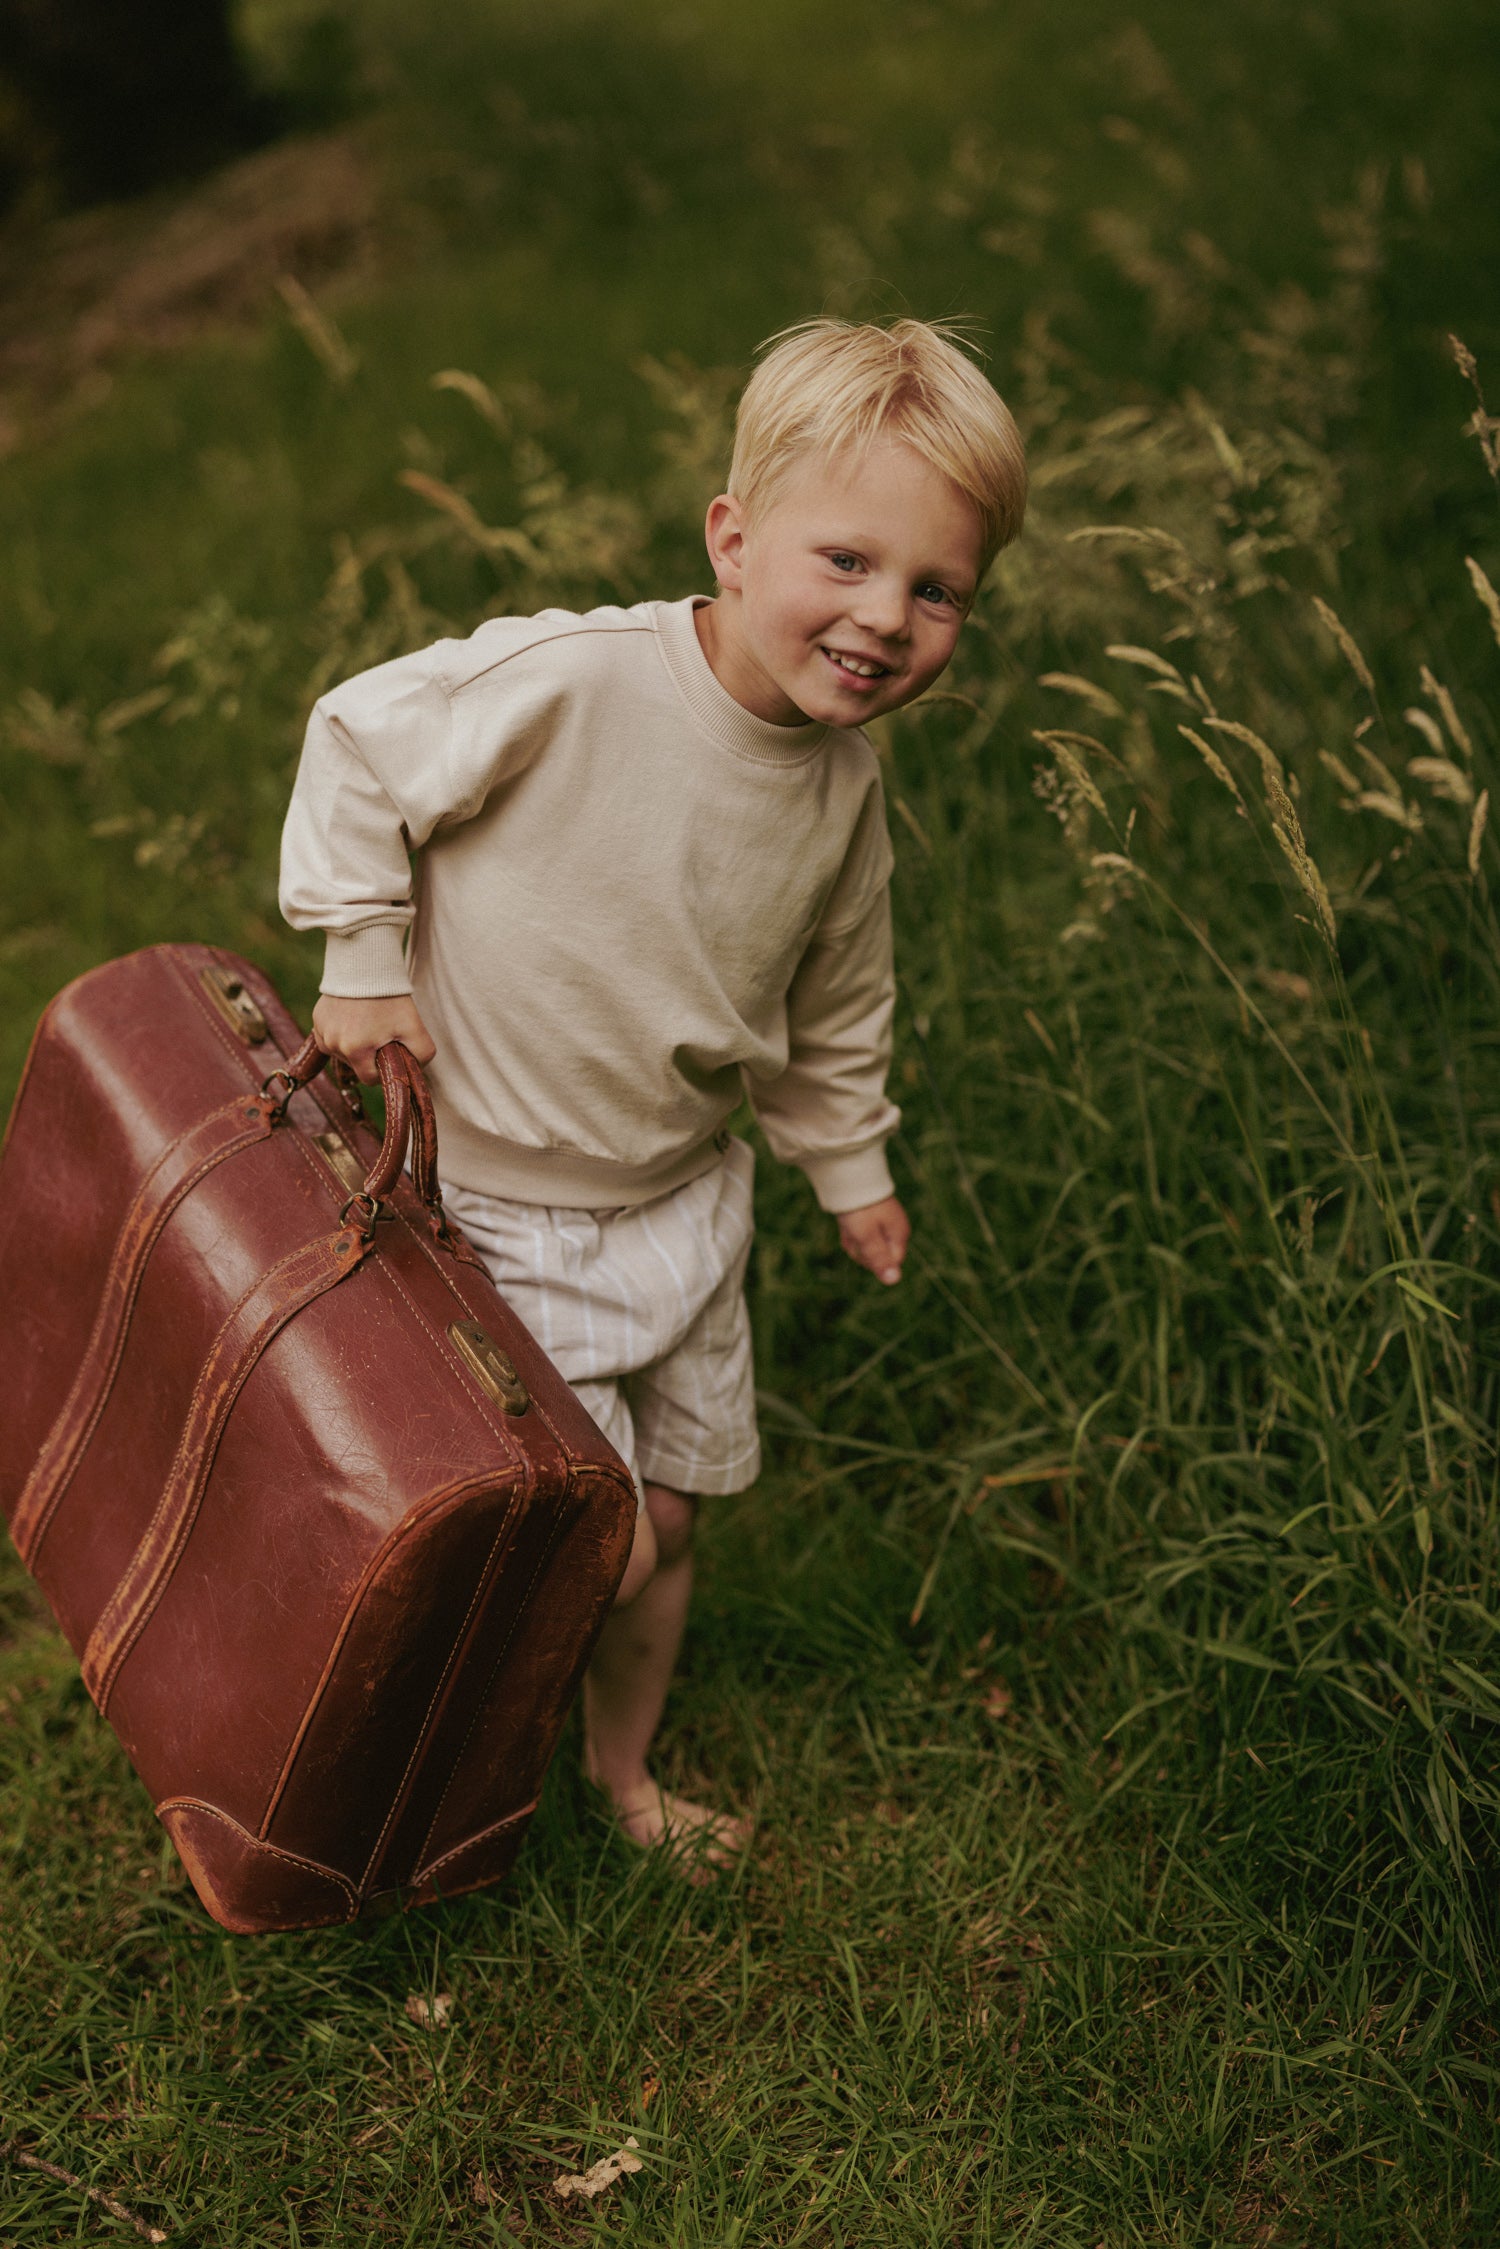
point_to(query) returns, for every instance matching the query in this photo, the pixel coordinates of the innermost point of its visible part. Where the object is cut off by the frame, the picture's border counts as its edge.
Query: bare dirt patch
(79, 292)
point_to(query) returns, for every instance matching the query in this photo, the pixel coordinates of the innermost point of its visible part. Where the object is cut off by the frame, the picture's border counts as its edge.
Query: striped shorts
(642, 1311)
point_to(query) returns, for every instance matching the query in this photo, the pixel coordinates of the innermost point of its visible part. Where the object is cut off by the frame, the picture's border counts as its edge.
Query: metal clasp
(235, 1004)
(368, 1213)
(491, 1368)
(338, 1153)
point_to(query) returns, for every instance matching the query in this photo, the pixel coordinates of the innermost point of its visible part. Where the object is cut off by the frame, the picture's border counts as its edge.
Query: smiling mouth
(857, 667)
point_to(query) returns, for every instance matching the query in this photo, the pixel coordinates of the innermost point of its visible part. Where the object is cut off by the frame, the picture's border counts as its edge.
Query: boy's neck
(717, 624)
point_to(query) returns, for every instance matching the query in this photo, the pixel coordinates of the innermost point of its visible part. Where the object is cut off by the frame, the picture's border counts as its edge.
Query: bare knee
(641, 1567)
(673, 1515)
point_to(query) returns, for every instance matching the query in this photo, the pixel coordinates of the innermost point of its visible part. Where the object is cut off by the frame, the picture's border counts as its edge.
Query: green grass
(1109, 1650)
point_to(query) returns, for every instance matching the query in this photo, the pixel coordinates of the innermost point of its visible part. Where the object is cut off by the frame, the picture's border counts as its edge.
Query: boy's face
(842, 598)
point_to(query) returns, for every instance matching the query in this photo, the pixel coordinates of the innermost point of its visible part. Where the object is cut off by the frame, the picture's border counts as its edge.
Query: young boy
(653, 875)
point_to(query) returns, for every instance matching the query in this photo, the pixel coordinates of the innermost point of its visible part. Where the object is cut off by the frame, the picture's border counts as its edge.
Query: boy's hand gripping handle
(409, 1124)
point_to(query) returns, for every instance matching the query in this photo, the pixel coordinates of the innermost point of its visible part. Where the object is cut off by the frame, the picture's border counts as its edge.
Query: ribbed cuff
(849, 1179)
(366, 964)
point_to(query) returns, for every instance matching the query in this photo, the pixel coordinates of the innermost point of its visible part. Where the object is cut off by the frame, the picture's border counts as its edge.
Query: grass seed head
(1486, 593)
(1444, 778)
(1477, 828)
(1069, 683)
(1436, 692)
(1216, 766)
(1346, 780)
(1348, 645)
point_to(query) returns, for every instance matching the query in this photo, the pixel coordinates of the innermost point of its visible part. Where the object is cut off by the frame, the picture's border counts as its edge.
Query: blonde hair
(832, 386)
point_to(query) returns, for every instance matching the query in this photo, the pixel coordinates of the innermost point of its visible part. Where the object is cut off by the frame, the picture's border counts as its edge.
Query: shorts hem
(694, 1479)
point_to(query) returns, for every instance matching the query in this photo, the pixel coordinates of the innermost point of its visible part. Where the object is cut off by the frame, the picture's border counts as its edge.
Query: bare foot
(698, 1842)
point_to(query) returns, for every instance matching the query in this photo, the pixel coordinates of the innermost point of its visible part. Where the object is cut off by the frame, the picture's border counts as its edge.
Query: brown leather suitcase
(330, 1536)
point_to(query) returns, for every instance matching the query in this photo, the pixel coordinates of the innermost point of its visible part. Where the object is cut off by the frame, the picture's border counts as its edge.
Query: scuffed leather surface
(367, 1639)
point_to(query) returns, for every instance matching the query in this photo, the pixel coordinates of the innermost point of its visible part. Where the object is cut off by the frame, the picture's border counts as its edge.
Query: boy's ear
(724, 536)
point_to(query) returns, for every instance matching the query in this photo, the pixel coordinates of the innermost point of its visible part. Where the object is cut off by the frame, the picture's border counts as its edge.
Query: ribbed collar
(733, 727)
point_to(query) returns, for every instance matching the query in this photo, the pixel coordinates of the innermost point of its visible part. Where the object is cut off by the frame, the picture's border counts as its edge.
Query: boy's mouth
(857, 667)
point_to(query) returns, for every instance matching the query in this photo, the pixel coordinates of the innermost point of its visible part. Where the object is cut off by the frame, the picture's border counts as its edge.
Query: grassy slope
(1140, 1891)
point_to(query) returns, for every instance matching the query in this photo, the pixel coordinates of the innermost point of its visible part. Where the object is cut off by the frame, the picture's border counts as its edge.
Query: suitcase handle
(410, 1125)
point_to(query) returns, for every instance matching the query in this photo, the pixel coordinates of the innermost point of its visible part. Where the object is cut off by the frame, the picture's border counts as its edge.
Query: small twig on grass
(11, 2152)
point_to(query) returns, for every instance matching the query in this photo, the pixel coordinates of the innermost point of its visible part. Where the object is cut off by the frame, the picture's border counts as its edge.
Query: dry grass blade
(11, 2153)
(1486, 593)
(1304, 867)
(1463, 358)
(318, 331)
(1069, 683)
(1061, 746)
(1444, 778)
(1427, 726)
(1379, 771)
(1438, 693)
(479, 395)
(1270, 763)
(1146, 659)
(1341, 773)
(489, 538)
(1216, 766)
(1477, 828)
(1348, 645)
(1481, 423)
(1391, 805)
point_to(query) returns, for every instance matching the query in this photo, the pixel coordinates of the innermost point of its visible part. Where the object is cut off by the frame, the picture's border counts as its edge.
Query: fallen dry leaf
(650, 2087)
(429, 2014)
(603, 2174)
(997, 1701)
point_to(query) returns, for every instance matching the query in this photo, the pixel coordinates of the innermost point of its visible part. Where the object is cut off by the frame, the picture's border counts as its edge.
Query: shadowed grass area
(1109, 1652)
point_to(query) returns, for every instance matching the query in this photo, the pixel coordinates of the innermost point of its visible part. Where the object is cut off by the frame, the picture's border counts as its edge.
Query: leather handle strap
(410, 1121)
(262, 1312)
(179, 1168)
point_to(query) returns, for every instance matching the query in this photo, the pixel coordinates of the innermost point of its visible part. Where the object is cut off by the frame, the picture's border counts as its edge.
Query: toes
(698, 1841)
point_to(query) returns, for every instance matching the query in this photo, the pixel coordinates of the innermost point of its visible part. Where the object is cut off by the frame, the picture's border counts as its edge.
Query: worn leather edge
(250, 1855)
(241, 1123)
(432, 1716)
(467, 1487)
(543, 1560)
(434, 1867)
(296, 1281)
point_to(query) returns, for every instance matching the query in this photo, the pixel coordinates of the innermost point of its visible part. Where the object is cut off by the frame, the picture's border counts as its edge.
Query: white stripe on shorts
(643, 1311)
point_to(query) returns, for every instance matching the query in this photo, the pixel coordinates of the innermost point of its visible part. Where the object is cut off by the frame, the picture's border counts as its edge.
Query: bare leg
(626, 1691)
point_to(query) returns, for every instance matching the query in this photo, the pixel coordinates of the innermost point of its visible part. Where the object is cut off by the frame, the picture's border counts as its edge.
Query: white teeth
(852, 664)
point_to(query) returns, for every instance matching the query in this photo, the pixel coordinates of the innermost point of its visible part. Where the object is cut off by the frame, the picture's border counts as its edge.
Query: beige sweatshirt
(634, 900)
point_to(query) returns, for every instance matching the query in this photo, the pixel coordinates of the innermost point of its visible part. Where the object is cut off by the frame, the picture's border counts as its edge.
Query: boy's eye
(844, 562)
(931, 592)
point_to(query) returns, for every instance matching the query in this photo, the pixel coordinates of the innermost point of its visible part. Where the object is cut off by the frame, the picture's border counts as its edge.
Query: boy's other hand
(876, 1237)
(355, 1028)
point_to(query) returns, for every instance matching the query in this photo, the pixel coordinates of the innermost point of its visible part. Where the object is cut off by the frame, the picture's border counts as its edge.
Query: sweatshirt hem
(557, 1178)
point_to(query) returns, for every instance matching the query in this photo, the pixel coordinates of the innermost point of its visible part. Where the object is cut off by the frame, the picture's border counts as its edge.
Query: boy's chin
(832, 704)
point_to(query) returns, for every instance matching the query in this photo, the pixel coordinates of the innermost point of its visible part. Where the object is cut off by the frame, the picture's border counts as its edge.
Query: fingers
(877, 1238)
(356, 1029)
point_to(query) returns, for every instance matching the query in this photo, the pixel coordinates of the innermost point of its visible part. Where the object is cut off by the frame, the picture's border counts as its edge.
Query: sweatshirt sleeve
(828, 1111)
(389, 757)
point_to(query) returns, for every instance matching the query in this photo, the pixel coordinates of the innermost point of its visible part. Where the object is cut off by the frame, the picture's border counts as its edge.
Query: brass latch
(235, 1005)
(490, 1367)
(343, 1159)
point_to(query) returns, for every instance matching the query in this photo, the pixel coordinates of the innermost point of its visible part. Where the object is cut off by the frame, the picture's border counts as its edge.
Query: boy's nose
(881, 609)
